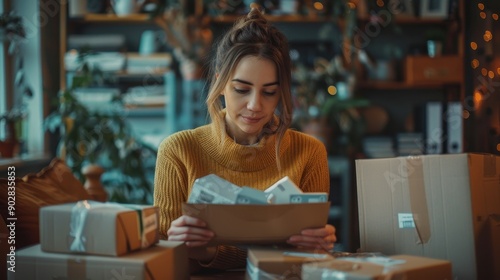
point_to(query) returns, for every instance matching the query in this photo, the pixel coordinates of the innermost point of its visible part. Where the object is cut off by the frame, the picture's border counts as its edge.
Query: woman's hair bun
(256, 14)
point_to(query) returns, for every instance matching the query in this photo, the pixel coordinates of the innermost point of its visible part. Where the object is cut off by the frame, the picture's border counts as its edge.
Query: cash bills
(212, 189)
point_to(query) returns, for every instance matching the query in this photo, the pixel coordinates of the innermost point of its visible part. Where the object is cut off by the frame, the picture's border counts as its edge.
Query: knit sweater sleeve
(170, 185)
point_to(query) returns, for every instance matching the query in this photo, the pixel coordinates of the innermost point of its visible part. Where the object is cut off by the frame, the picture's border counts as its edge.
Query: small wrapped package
(90, 227)
(168, 260)
(281, 263)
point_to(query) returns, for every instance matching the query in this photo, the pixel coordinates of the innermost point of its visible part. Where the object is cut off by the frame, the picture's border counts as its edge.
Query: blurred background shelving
(361, 72)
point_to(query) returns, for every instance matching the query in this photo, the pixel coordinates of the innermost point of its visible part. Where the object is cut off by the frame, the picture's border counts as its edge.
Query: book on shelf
(409, 143)
(145, 96)
(104, 61)
(151, 63)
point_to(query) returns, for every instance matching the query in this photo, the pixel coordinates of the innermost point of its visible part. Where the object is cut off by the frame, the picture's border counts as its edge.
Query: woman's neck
(242, 138)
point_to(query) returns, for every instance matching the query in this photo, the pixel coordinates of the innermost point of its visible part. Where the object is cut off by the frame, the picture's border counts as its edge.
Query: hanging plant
(11, 27)
(187, 33)
(12, 31)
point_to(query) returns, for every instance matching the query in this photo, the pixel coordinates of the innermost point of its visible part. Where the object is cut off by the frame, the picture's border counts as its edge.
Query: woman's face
(251, 96)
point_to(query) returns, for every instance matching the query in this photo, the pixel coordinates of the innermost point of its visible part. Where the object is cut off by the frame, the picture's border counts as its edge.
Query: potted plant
(103, 138)
(187, 33)
(327, 108)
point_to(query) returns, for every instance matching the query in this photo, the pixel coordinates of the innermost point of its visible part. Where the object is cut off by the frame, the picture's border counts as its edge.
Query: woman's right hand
(191, 230)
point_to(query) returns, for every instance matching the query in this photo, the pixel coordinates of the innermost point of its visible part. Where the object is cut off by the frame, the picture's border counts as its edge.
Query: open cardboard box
(438, 206)
(258, 224)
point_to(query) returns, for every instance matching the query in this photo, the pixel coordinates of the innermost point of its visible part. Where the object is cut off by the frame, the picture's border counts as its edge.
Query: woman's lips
(251, 120)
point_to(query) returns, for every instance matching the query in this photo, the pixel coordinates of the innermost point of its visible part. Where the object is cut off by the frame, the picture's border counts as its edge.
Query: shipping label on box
(90, 227)
(393, 267)
(416, 205)
(167, 260)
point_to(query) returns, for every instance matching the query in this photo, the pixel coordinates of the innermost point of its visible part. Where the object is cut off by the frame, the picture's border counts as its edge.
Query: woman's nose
(255, 102)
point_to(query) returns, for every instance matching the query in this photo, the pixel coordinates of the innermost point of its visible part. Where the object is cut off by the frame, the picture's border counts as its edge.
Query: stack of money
(212, 189)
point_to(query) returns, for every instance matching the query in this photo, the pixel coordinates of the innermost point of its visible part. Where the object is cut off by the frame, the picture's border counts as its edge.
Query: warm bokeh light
(480, 6)
(491, 74)
(475, 63)
(351, 5)
(380, 3)
(494, 16)
(487, 36)
(484, 71)
(473, 45)
(466, 114)
(482, 15)
(498, 71)
(332, 90)
(478, 97)
(498, 147)
(318, 6)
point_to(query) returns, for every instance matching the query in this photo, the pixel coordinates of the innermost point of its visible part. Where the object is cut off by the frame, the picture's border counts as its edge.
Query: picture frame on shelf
(403, 8)
(437, 9)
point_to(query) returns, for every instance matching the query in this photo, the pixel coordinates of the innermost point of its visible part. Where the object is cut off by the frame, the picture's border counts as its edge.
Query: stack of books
(409, 144)
(144, 64)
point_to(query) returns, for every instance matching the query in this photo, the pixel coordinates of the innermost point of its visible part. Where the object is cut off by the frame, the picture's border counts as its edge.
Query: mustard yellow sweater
(187, 155)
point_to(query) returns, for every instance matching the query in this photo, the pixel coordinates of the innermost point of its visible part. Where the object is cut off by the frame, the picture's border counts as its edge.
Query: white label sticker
(406, 220)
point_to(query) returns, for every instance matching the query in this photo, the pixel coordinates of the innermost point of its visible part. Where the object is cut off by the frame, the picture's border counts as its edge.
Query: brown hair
(252, 36)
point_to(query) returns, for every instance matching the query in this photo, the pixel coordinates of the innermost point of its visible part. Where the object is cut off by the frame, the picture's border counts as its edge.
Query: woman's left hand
(317, 238)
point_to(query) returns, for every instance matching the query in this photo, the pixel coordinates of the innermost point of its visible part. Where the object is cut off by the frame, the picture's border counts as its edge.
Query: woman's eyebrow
(248, 83)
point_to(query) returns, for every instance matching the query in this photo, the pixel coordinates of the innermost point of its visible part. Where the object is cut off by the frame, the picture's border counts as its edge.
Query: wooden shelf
(141, 18)
(411, 20)
(379, 85)
(276, 18)
(133, 18)
(154, 73)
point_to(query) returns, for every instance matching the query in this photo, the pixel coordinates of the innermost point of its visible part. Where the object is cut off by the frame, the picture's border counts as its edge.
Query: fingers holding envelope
(317, 238)
(192, 231)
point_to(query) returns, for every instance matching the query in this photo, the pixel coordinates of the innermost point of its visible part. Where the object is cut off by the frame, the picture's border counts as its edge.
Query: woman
(248, 142)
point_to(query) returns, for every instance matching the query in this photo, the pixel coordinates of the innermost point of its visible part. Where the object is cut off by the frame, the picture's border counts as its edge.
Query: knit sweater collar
(234, 156)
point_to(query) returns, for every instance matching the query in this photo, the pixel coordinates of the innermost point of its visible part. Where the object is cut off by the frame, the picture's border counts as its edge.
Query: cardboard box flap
(418, 200)
(258, 224)
(127, 234)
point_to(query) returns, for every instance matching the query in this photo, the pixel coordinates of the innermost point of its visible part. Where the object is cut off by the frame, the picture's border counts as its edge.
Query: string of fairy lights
(487, 37)
(488, 67)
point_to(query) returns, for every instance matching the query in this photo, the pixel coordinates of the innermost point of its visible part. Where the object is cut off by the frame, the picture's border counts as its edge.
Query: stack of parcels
(288, 263)
(243, 215)
(93, 240)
